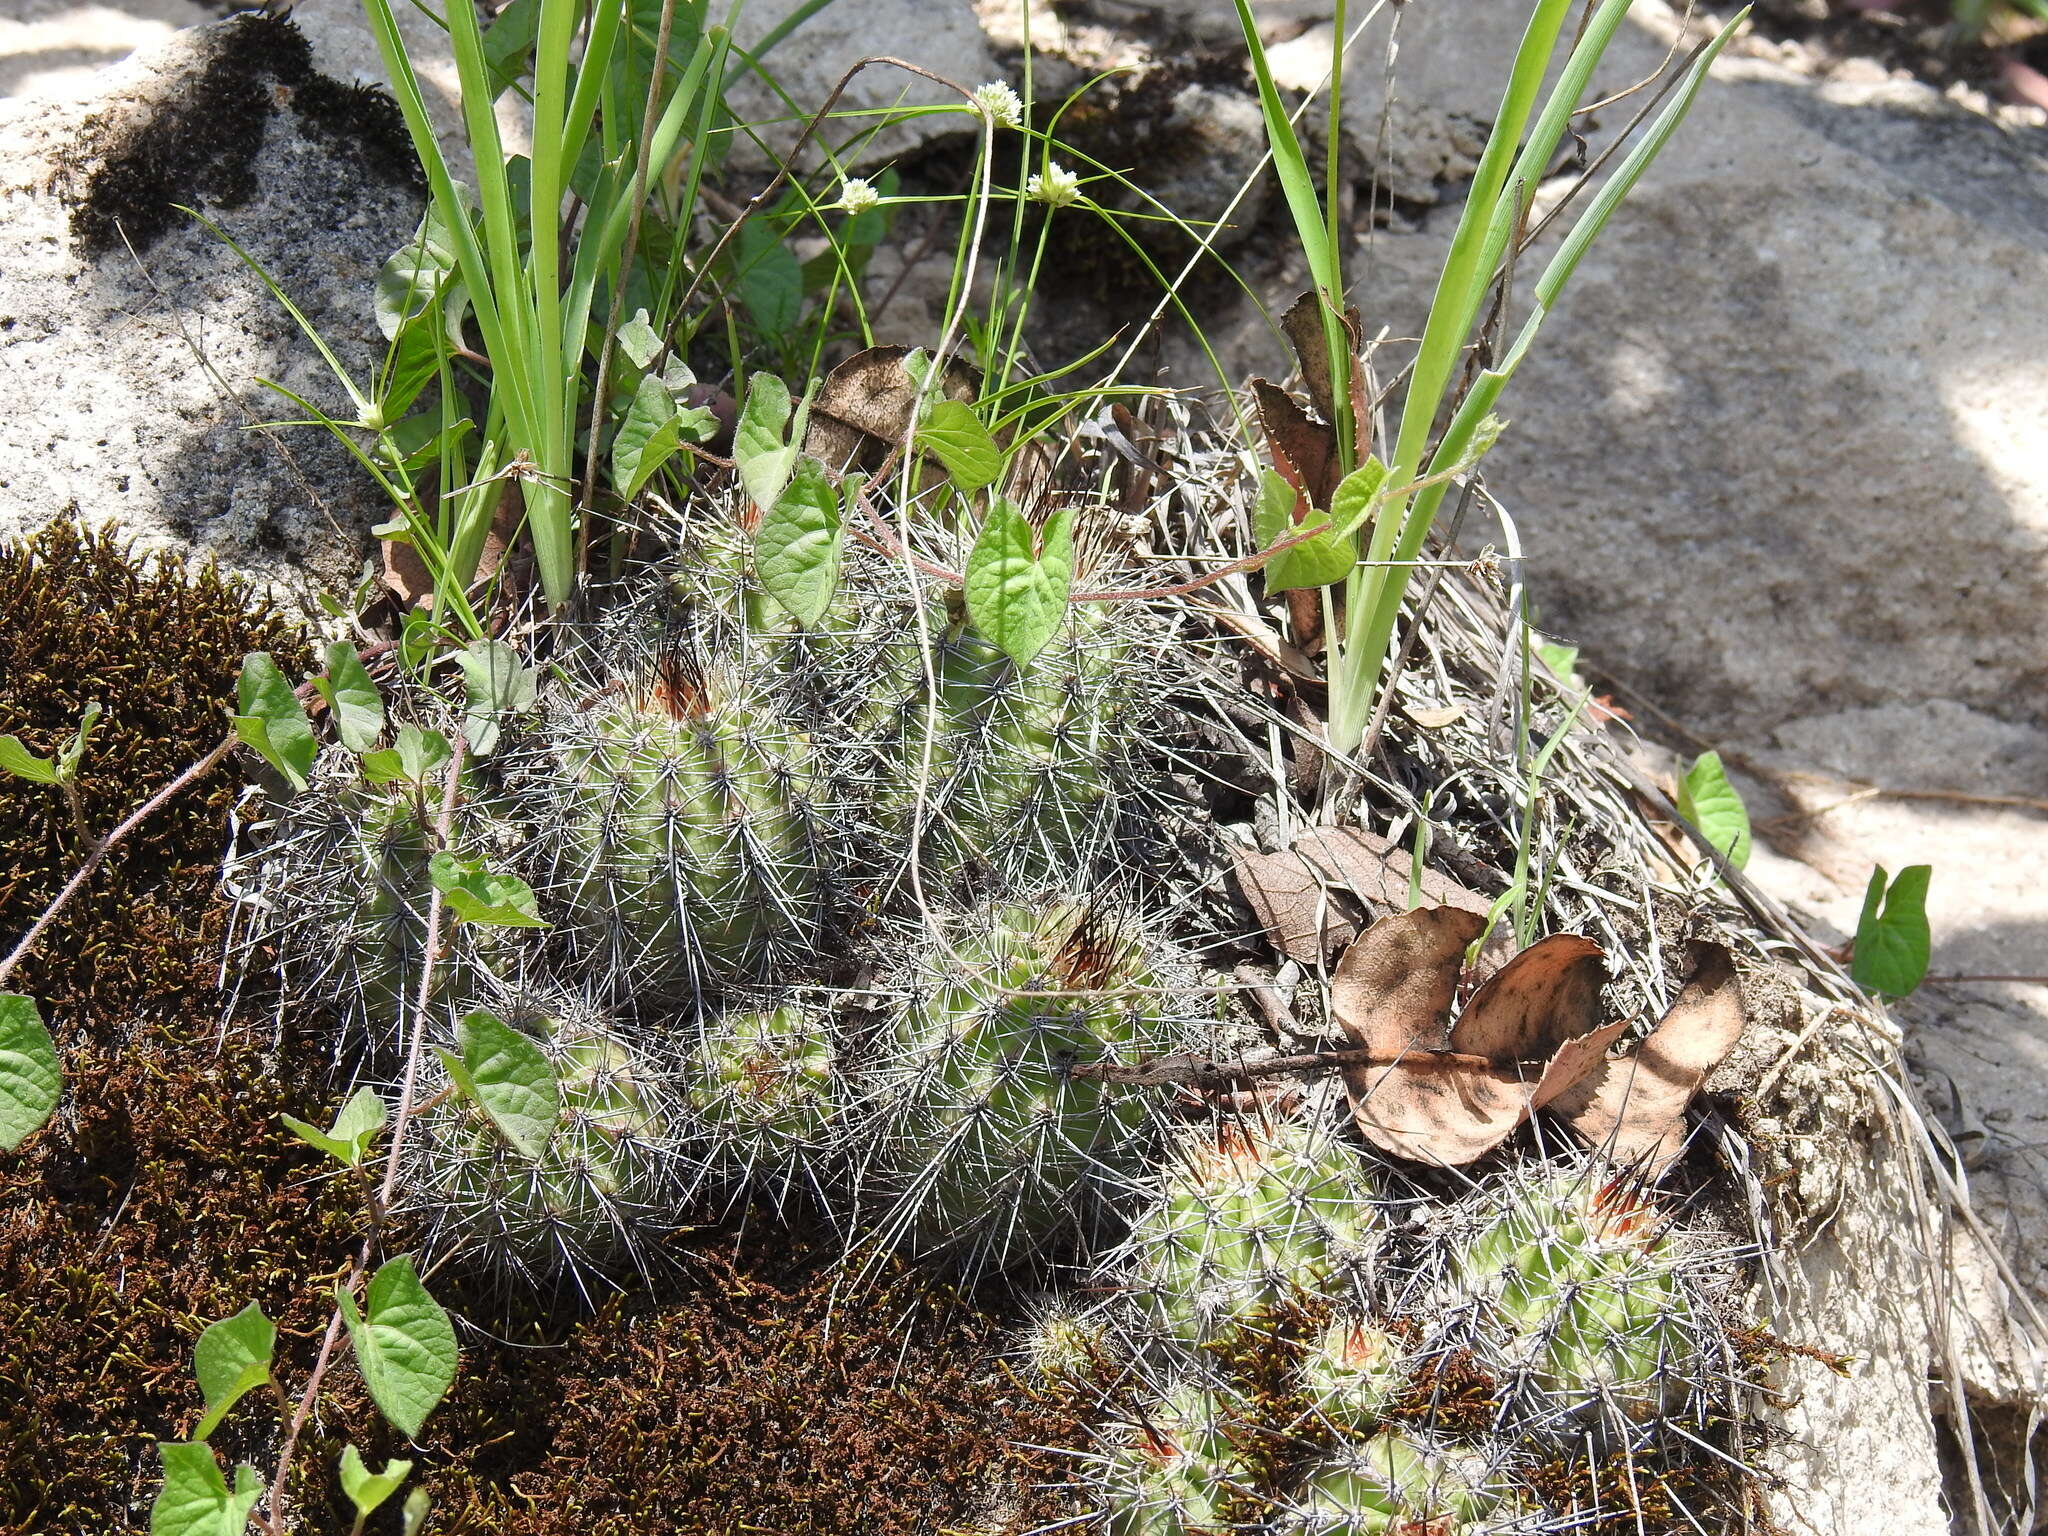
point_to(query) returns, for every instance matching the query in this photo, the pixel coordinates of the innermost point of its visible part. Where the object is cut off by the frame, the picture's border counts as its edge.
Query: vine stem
(1200, 1072)
(379, 1202)
(106, 845)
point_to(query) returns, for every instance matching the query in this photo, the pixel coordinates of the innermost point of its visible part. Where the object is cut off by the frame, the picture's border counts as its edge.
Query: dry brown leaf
(1302, 917)
(863, 408)
(1377, 868)
(1393, 990)
(1431, 718)
(1547, 994)
(1633, 1107)
(1450, 1096)
(1303, 449)
(1303, 325)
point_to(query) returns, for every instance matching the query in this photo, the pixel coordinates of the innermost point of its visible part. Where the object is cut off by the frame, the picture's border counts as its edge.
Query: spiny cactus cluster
(983, 1140)
(340, 894)
(1283, 1355)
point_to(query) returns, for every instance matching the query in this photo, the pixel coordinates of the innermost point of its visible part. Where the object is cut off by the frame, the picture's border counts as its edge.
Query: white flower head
(1055, 186)
(999, 104)
(857, 195)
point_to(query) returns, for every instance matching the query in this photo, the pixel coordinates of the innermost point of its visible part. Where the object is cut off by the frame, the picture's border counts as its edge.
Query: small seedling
(1893, 944)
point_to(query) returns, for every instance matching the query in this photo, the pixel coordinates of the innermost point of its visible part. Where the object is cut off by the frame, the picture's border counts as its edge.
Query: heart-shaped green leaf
(477, 894)
(272, 721)
(511, 1080)
(231, 1358)
(195, 1499)
(1018, 578)
(799, 546)
(1711, 803)
(956, 437)
(405, 1345)
(352, 698)
(30, 1079)
(1893, 942)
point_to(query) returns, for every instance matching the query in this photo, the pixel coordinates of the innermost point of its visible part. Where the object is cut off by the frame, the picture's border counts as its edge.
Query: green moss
(158, 641)
(768, 1397)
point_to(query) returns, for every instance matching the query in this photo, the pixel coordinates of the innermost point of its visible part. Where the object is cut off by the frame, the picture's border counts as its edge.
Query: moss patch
(771, 1395)
(159, 643)
(134, 163)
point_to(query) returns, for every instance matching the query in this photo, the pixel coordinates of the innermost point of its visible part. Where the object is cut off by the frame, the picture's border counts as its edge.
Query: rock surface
(134, 427)
(942, 36)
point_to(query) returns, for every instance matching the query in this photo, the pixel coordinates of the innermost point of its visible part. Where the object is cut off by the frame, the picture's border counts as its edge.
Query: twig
(106, 845)
(1199, 1072)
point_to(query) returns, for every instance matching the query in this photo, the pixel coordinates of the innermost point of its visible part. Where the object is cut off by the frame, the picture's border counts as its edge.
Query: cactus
(686, 849)
(1391, 1485)
(1352, 1373)
(1027, 767)
(986, 1142)
(601, 1188)
(340, 891)
(1175, 1471)
(765, 1095)
(1250, 1221)
(1581, 1291)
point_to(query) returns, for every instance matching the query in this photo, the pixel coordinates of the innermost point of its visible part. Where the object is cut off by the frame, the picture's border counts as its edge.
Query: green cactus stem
(688, 851)
(1175, 1471)
(600, 1190)
(987, 1144)
(1250, 1222)
(764, 1092)
(1583, 1291)
(1390, 1485)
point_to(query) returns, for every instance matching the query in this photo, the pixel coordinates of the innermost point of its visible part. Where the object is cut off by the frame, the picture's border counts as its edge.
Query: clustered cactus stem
(992, 1065)
(985, 1141)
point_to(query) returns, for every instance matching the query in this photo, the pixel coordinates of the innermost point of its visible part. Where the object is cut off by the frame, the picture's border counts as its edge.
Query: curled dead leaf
(1304, 450)
(863, 408)
(1303, 326)
(1633, 1107)
(1450, 1094)
(1321, 892)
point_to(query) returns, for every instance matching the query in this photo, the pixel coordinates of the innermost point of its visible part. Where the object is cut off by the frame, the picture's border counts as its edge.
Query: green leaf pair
(1330, 554)
(475, 893)
(412, 761)
(63, 768)
(355, 1128)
